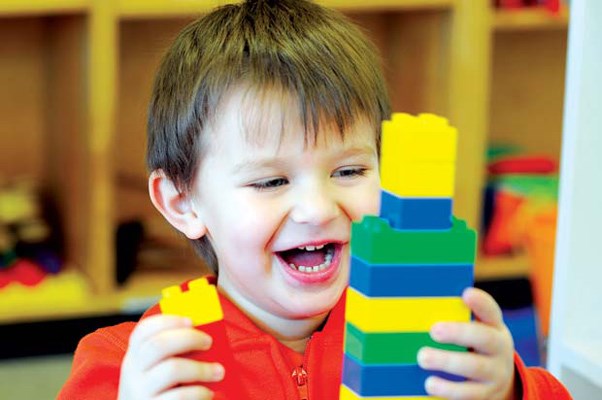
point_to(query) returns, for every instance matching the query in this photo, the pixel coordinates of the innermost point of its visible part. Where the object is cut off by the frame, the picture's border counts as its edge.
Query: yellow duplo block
(348, 394)
(402, 314)
(419, 179)
(426, 137)
(199, 303)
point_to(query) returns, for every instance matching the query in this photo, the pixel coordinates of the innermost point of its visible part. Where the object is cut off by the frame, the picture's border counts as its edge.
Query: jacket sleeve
(96, 365)
(537, 383)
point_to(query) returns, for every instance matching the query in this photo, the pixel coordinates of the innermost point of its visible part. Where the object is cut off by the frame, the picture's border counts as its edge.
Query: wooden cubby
(527, 74)
(76, 77)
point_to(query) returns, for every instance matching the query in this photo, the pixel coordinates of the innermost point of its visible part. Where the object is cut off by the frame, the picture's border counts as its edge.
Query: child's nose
(315, 206)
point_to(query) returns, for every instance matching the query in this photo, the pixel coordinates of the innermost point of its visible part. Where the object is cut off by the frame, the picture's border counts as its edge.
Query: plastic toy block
(402, 314)
(419, 179)
(23, 272)
(375, 242)
(388, 379)
(387, 280)
(348, 394)
(201, 303)
(426, 137)
(64, 291)
(389, 348)
(416, 213)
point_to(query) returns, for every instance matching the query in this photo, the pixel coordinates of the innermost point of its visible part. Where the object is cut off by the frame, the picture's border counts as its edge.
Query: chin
(314, 305)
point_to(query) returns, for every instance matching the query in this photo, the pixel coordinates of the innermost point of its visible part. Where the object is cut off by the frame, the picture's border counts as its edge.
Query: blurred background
(81, 246)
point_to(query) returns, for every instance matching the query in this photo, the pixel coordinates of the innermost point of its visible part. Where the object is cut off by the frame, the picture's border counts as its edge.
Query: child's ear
(176, 207)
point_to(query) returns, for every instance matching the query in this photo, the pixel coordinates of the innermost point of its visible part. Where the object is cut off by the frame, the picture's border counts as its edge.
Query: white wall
(575, 347)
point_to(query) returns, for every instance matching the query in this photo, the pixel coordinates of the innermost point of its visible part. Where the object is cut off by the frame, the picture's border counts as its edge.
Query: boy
(264, 131)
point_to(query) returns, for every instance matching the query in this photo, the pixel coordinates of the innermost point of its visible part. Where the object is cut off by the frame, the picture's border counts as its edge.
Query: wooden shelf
(378, 5)
(167, 8)
(142, 290)
(164, 8)
(535, 18)
(65, 295)
(76, 83)
(42, 7)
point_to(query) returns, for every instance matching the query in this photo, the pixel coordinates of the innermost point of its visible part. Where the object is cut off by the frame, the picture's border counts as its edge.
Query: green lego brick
(389, 348)
(375, 242)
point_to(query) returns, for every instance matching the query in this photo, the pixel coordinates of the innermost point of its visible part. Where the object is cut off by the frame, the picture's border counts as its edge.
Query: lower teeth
(316, 268)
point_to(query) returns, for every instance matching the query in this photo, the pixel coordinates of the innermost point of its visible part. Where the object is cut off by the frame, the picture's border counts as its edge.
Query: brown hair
(312, 52)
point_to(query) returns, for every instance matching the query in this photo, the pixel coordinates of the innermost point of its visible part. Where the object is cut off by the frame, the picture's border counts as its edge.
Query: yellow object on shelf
(55, 295)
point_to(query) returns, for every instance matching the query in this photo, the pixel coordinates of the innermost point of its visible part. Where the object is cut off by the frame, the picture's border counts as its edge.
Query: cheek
(366, 201)
(251, 222)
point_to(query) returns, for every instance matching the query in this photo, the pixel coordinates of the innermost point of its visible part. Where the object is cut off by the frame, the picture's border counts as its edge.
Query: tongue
(305, 258)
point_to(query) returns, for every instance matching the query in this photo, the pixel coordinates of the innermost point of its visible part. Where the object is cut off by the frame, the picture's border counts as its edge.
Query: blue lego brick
(416, 213)
(388, 379)
(385, 280)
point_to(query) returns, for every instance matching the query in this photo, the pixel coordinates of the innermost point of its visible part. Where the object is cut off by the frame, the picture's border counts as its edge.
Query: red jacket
(266, 366)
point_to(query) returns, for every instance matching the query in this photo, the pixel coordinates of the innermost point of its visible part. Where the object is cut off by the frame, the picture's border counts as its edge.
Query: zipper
(299, 375)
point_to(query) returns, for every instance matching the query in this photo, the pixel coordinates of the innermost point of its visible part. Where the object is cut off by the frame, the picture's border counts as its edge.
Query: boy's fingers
(481, 338)
(440, 387)
(187, 393)
(171, 343)
(177, 371)
(470, 365)
(483, 306)
(150, 326)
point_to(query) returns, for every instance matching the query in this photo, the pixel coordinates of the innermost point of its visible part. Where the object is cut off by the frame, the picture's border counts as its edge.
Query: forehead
(269, 117)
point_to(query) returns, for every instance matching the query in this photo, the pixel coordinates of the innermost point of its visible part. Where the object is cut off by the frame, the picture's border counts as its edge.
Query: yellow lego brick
(199, 303)
(348, 394)
(402, 314)
(426, 137)
(418, 179)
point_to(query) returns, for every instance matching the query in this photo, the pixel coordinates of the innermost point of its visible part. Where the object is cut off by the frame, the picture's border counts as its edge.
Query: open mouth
(309, 259)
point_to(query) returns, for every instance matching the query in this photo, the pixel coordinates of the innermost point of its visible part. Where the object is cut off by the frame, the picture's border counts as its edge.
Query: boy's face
(278, 210)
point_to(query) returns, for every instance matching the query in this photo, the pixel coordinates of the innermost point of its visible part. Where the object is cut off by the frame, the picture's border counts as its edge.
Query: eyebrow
(280, 162)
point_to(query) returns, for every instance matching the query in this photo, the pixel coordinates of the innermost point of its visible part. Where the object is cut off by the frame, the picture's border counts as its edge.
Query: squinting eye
(349, 172)
(269, 184)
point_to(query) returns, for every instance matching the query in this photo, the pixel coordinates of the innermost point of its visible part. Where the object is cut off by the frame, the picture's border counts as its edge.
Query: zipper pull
(299, 375)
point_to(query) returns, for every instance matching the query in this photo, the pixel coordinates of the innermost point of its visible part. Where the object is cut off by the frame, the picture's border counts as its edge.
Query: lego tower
(409, 266)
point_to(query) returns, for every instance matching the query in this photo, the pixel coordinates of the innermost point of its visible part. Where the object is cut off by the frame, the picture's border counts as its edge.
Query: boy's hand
(489, 368)
(151, 368)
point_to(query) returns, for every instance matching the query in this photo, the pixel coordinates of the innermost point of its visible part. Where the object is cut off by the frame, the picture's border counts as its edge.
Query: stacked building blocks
(409, 265)
(201, 304)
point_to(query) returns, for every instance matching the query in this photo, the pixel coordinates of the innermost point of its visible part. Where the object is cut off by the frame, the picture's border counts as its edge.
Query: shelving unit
(42, 7)
(88, 67)
(527, 97)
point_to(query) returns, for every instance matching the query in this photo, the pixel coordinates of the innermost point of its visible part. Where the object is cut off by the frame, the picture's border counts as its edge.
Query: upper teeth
(311, 248)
